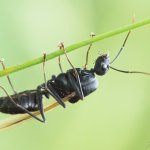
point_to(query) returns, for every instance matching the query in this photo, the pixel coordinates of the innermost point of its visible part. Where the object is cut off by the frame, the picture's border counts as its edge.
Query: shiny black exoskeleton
(66, 83)
(58, 87)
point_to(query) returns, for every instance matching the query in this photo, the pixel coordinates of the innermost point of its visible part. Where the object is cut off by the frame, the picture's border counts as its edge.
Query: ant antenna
(87, 53)
(122, 47)
(3, 65)
(124, 71)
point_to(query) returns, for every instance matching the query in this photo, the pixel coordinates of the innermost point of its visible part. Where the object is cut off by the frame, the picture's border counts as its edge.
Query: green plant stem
(74, 47)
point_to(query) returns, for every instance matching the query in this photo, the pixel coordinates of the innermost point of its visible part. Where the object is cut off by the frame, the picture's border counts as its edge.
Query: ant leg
(8, 78)
(40, 103)
(49, 89)
(25, 110)
(76, 73)
(3, 65)
(87, 53)
(74, 84)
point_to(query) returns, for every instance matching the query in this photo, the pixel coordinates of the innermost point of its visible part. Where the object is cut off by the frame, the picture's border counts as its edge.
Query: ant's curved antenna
(122, 47)
(124, 71)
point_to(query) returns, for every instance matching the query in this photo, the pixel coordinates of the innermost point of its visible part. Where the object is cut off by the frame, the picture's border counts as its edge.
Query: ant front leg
(75, 86)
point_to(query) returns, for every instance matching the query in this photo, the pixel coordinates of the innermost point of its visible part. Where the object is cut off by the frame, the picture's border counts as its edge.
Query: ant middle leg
(77, 86)
(48, 87)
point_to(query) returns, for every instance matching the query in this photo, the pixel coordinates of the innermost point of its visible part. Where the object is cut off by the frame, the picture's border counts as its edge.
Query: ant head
(102, 64)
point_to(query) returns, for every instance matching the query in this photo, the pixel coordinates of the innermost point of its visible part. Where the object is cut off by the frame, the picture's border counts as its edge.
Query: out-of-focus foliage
(116, 116)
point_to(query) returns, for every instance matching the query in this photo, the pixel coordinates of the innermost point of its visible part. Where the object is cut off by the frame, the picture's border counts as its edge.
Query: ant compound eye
(104, 66)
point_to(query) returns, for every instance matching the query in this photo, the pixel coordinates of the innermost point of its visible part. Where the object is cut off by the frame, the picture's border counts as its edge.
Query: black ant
(79, 80)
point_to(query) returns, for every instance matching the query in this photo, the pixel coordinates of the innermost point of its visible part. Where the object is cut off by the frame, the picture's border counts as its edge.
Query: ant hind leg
(8, 78)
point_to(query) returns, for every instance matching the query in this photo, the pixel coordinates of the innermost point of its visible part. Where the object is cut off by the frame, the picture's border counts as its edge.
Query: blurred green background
(117, 115)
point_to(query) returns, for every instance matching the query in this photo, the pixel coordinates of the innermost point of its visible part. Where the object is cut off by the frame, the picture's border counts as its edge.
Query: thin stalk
(74, 47)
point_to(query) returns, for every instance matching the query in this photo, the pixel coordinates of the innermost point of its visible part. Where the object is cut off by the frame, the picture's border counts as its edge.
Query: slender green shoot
(74, 47)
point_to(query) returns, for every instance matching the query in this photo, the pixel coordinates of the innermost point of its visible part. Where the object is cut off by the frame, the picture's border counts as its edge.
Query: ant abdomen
(25, 99)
